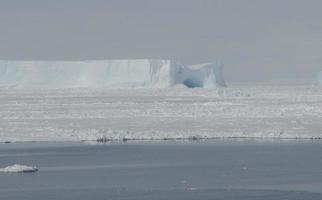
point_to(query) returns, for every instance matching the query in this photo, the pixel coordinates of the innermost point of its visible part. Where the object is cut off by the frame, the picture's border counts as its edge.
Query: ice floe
(19, 168)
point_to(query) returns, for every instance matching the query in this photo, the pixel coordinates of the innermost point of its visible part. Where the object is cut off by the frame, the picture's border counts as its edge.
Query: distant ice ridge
(138, 73)
(19, 168)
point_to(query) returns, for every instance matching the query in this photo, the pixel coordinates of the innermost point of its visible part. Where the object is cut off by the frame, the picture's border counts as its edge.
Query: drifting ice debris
(138, 73)
(19, 168)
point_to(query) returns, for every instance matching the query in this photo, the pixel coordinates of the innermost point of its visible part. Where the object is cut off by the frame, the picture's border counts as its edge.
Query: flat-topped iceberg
(19, 168)
(145, 73)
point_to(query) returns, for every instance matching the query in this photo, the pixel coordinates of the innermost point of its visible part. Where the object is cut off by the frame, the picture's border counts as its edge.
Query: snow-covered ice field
(242, 110)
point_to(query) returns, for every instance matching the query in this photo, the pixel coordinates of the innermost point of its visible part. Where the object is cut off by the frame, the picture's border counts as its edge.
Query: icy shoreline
(123, 140)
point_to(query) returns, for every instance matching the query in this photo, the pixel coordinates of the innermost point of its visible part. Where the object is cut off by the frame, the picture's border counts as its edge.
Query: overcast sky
(255, 39)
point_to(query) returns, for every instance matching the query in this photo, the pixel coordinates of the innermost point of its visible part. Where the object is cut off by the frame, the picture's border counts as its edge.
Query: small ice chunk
(19, 168)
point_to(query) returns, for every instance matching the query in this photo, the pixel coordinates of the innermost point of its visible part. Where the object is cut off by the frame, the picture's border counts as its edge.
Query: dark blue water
(231, 169)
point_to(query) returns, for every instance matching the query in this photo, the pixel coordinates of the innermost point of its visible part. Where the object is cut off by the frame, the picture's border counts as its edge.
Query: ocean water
(214, 169)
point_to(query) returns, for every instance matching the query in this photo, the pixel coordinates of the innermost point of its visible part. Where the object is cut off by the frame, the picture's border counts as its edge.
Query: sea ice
(248, 110)
(19, 168)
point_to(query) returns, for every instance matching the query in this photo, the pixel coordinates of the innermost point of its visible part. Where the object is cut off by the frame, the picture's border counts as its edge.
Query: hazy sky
(255, 39)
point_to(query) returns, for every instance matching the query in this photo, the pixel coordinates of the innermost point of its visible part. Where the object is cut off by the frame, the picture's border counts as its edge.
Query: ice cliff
(144, 73)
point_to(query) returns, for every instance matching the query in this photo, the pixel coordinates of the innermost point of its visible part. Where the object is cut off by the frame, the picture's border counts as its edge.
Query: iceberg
(136, 73)
(206, 75)
(319, 78)
(19, 168)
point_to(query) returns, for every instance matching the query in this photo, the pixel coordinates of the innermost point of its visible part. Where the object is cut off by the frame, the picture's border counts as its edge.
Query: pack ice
(138, 73)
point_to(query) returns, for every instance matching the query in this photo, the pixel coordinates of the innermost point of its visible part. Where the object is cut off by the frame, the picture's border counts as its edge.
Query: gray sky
(255, 39)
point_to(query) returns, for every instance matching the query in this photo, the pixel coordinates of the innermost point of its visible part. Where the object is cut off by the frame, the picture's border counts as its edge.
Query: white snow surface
(19, 168)
(248, 110)
(137, 73)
